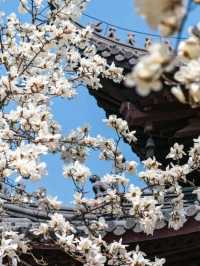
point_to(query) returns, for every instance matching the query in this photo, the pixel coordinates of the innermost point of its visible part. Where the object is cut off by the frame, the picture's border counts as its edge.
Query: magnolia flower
(178, 93)
(151, 163)
(147, 211)
(96, 259)
(57, 220)
(22, 6)
(177, 219)
(53, 202)
(131, 167)
(194, 159)
(134, 193)
(66, 241)
(111, 196)
(121, 126)
(43, 229)
(115, 179)
(58, 223)
(158, 262)
(176, 152)
(114, 73)
(153, 176)
(84, 244)
(25, 160)
(138, 258)
(178, 214)
(189, 49)
(38, 3)
(195, 92)
(147, 72)
(79, 199)
(130, 136)
(11, 242)
(77, 171)
(188, 75)
(117, 248)
(164, 14)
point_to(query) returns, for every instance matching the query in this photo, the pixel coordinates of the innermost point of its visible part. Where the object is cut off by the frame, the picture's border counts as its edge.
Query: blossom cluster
(164, 14)
(182, 62)
(77, 144)
(50, 56)
(188, 74)
(91, 250)
(146, 75)
(121, 126)
(12, 244)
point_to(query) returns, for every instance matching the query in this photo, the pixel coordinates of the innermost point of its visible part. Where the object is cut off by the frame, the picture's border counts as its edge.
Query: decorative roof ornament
(99, 187)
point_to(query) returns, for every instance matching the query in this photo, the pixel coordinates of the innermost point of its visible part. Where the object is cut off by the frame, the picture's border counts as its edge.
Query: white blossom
(146, 75)
(77, 171)
(176, 152)
(164, 14)
(43, 61)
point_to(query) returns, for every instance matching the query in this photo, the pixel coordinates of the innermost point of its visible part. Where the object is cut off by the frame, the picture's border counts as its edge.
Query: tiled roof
(122, 54)
(25, 216)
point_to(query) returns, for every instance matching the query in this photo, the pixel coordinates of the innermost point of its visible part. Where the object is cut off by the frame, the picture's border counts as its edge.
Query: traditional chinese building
(178, 247)
(160, 120)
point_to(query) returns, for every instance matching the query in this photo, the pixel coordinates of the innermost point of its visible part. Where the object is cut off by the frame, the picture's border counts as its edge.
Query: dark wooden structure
(159, 119)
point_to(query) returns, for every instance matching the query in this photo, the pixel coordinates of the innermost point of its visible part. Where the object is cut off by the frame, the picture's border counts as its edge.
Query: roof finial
(148, 43)
(99, 187)
(112, 33)
(131, 38)
(97, 27)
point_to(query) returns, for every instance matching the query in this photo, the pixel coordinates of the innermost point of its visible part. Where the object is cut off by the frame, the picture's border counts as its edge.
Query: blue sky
(83, 110)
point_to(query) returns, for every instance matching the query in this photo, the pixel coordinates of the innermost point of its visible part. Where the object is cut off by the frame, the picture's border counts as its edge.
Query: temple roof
(26, 215)
(174, 245)
(159, 119)
(123, 54)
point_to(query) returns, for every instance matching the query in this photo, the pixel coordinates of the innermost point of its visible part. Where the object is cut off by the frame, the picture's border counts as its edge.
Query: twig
(185, 17)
